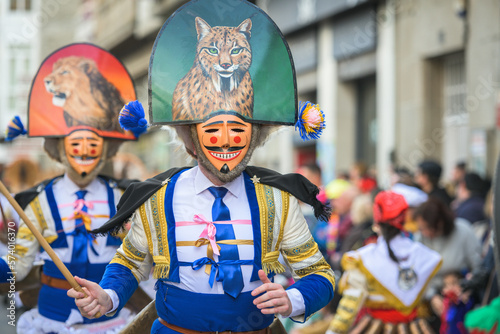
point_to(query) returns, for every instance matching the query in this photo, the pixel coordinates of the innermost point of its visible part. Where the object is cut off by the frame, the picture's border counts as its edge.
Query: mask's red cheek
(213, 140)
(75, 151)
(92, 151)
(237, 139)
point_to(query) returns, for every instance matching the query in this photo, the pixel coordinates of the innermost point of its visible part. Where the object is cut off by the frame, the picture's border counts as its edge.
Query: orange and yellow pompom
(311, 121)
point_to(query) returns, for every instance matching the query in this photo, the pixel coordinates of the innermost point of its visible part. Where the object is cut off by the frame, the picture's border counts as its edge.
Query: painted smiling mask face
(83, 150)
(224, 140)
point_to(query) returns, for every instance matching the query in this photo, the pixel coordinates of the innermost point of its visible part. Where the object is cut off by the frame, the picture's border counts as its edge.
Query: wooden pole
(57, 261)
(143, 321)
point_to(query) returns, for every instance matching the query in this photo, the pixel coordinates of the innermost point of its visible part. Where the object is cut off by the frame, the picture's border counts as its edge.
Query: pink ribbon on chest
(78, 207)
(210, 230)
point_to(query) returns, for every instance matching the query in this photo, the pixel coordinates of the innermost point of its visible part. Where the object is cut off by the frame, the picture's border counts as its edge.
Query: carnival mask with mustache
(224, 140)
(83, 149)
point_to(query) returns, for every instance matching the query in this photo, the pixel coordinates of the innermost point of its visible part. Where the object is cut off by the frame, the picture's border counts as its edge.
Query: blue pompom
(311, 121)
(15, 128)
(132, 118)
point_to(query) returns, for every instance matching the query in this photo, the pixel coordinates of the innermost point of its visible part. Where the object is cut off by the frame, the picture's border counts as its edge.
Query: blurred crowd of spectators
(453, 219)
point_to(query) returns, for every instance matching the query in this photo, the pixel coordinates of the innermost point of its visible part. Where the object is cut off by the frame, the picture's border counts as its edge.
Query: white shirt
(64, 193)
(192, 188)
(97, 194)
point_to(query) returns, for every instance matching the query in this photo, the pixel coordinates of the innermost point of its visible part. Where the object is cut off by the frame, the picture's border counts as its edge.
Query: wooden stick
(57, 261)
(143, 321)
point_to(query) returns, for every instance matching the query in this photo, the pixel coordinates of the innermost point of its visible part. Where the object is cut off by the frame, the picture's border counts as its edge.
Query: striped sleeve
(27, 246)
(131, 264)
(353, 287)
(314, 278)
(133, 252)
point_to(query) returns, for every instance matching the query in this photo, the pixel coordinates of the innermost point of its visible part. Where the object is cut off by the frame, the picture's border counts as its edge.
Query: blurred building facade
(399, 80)
(20, 22)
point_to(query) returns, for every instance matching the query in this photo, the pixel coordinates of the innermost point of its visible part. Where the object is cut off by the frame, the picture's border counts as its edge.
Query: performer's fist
(274, 298)
(95, 303)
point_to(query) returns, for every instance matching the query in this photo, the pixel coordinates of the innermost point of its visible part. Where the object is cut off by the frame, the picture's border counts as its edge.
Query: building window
(20, 5)
(19, 77)
(454, 86)
(455, 115)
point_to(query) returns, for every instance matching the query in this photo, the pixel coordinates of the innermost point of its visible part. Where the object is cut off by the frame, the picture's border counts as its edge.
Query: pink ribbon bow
(208, 232)
(78, 206)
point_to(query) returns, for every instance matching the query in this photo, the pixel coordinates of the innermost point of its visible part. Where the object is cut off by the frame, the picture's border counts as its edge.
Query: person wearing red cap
(383, 282)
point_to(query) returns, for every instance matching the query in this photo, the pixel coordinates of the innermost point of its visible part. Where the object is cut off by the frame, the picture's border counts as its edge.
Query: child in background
(456, 304)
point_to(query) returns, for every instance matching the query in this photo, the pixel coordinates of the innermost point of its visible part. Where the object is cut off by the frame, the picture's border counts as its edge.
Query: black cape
(25, 197)
(138, 193)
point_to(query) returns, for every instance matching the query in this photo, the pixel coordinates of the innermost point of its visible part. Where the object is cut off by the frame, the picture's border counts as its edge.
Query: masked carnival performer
(383, 283)
(74, 103)
(214, 232)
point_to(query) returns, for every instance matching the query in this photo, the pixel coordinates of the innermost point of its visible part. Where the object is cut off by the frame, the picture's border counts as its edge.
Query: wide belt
(191, 331)
(55, 282)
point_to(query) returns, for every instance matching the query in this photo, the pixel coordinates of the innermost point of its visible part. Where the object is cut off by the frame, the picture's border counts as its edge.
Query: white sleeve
(297, 300)
(114, 299)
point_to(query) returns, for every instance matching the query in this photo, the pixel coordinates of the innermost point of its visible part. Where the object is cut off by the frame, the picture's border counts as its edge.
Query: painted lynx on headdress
(219, 78)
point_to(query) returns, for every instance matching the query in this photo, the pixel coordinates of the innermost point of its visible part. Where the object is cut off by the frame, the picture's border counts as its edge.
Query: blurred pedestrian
(452, 238)
(383, 282)
(427, 178)
(357, 172)
(340, 222)
(457, 176)
(414, 197)
(402, 175)
(362, 223)
(456, 303)
(470, 197)
(318, 227)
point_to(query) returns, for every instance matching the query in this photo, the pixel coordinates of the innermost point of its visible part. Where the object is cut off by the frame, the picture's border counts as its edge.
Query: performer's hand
(274, 300)
(97, 299)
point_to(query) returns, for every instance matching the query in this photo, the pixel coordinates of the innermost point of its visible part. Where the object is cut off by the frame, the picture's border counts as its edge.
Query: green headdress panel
(221, 56)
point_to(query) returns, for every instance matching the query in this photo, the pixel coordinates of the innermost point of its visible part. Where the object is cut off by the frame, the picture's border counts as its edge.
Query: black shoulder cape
(138, 193)
(25, 197)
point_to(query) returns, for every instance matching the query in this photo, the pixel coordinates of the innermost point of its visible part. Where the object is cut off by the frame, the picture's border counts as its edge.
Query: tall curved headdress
(221, 56)
(79, 86)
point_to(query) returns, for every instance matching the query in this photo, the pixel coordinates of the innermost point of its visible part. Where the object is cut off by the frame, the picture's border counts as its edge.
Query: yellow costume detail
(267, 208)
(37, 210)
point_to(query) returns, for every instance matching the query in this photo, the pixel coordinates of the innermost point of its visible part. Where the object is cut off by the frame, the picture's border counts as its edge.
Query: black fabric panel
(25, 197)
(139, 192)
(295, 184)
(136, 194)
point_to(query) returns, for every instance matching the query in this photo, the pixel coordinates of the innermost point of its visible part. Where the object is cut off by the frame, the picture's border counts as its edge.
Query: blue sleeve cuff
(5, 272)
(317, 292)
(120, 279)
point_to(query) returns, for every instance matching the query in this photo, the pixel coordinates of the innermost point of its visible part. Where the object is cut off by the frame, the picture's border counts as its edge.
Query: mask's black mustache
(220, 149)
